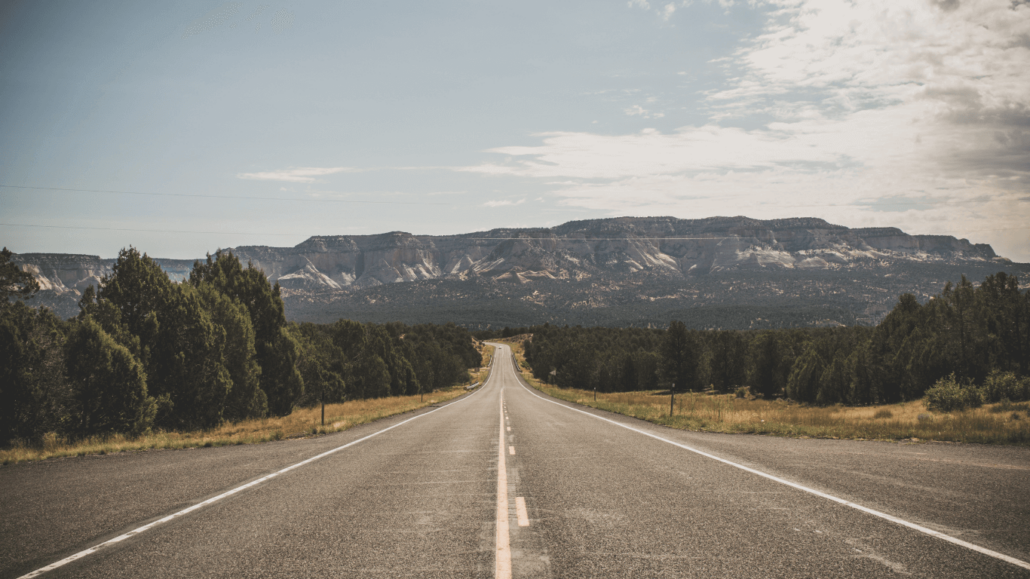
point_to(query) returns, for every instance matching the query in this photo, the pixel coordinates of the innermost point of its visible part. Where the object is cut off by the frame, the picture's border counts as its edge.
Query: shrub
(743, 392)
(1006, 386)
(1006, 406)
(883, 413)
(948, 394)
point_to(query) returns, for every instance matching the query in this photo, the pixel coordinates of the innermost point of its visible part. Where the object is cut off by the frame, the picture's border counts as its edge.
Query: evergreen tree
(680, 358)
(235, 343)
(277, 350)
(109, 385)
(767, 374)
(34, 394)
(186, 362)
(15, 283)
(803, 383)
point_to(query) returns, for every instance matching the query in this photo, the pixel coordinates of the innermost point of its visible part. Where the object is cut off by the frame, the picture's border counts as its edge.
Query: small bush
(743, 392)
(1008, 406)
(1006, 386)
(883, 413)
(948, 395)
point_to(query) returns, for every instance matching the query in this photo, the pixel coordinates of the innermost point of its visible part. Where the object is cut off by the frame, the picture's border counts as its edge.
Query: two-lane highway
(509, 482)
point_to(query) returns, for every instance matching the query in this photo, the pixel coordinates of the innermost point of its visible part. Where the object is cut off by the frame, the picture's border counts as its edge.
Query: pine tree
(14, 282)
(108, 383)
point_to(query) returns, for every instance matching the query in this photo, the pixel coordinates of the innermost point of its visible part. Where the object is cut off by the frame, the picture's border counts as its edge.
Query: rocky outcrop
(69, 273)
(620, 251)
(582, 249)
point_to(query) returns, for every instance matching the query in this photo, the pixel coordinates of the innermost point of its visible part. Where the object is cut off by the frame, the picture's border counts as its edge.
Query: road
(508, 482)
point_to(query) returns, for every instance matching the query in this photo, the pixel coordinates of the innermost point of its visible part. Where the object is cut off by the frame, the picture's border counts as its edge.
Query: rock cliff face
(597, 261)
(69, 274)
(583, 249)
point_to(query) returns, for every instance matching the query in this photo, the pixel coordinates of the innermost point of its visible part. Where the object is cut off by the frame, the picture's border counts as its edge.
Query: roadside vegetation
(302, 422)
(482, 374)
(149, 363)
(967, 339)
(741, 412)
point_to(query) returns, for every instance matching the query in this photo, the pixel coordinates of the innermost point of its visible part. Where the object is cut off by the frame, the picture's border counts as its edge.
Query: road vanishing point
(508, 482)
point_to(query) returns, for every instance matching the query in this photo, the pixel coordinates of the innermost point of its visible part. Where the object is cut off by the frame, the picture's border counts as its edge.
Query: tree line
(145, 352)
(978, 336)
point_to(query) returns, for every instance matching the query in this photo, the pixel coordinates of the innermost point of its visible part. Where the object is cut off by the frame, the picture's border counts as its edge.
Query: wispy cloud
(637, 110)
(664, 12)
(296, 174)
(503, 203)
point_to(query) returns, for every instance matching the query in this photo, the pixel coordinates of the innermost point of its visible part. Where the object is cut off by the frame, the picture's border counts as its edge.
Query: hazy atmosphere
(182, 127)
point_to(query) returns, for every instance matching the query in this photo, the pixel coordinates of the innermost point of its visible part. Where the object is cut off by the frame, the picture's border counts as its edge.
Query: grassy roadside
(710, 412)
(483, 373)
(301, 422)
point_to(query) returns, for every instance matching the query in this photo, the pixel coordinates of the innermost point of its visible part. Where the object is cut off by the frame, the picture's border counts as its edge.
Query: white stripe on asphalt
(520, 511)
(224, 495)
(502, 569)
(867, 510)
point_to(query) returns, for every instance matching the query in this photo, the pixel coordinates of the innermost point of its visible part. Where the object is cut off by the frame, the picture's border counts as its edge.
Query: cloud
(296, 174)
(664, 12)
(925, 104)
(503, 203)
(637, 110)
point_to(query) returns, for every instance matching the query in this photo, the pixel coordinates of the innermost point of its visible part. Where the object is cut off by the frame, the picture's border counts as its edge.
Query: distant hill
(727, 272)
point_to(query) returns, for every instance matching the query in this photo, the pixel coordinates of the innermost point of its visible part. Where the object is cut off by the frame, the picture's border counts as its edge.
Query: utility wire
(147, 230)
(437, 236)
(308, 200)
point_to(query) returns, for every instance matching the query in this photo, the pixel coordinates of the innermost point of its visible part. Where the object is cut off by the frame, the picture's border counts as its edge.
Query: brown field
(711, 412)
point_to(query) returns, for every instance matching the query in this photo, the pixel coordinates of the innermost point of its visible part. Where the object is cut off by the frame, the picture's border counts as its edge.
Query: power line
(198, 195)
(148, 230)
(35, 225)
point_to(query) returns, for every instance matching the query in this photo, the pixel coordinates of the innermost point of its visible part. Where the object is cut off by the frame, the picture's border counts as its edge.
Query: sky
(183, 127)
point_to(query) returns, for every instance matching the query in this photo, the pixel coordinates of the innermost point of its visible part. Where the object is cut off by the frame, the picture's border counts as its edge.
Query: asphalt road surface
(508, 482)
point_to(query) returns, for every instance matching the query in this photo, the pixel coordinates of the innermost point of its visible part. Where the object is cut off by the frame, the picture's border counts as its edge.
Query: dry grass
(302, 422)
(726, 413)
(481, 375)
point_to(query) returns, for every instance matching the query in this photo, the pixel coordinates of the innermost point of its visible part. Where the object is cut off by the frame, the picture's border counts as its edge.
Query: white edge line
(224, 495)
(867, 510)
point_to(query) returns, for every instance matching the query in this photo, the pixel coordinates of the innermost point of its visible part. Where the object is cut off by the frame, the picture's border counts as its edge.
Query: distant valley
(721, 272)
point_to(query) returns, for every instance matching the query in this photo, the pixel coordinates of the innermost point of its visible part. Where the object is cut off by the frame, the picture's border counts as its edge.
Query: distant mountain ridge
(581, 249)
(599, 260)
